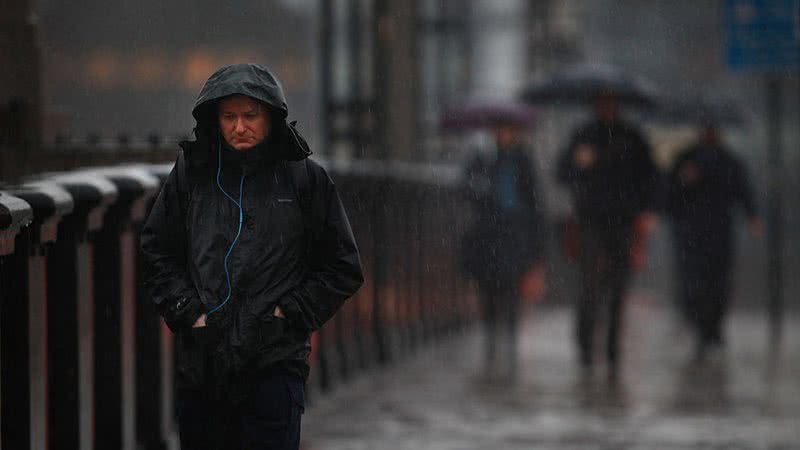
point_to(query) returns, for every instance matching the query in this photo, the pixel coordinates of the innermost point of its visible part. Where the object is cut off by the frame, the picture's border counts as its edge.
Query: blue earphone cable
(238, 232)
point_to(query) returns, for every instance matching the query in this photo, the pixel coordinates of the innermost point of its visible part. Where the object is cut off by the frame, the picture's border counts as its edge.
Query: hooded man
(249, 251)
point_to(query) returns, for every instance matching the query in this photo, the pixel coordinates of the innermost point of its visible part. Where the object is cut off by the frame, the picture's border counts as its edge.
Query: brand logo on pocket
(285, 200)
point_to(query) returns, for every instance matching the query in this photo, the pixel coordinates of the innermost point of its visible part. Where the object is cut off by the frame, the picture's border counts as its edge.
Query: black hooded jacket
(506, 240)
(277, 259)
(702, 210)
(621, 184)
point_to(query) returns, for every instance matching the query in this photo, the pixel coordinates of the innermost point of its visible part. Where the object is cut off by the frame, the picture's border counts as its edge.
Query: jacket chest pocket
(203, 213)
(209, 214)
(285, 224)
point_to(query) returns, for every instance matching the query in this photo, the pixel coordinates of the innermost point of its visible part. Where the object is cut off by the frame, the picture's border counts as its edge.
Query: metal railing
(87, 363)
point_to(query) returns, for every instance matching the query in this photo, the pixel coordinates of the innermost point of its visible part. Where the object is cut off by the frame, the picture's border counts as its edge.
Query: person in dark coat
(505, 243)
(612, 178)
(706, 184)
(248, 251)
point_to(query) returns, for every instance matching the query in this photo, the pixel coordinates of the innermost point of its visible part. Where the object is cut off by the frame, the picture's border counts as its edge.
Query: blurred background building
(110, 68)
(21, 78)
(365, 78)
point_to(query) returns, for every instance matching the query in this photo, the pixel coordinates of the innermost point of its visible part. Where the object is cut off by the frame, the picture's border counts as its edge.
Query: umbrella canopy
(487, 115)
(582, 83)
(700, 111)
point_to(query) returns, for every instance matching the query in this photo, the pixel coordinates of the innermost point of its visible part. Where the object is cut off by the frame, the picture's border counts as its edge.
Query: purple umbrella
(487, 115)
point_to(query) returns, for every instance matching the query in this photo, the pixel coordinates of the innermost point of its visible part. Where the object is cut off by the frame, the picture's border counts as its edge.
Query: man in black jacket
(705, 185)
(249, 251)
(611, 175)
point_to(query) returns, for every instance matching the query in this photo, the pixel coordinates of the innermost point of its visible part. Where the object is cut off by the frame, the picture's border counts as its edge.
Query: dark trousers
(268, 419)
(703, 267)
(605, 272)
(500, 307)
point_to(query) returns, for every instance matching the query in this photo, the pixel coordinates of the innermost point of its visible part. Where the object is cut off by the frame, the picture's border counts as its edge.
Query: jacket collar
(285, 144)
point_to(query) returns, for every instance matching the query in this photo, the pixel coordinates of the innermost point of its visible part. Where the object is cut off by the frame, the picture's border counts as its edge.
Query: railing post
(15, 215)
(70, 313)
(28, 316)
(155, 366)
(115, 307)
(379, 270)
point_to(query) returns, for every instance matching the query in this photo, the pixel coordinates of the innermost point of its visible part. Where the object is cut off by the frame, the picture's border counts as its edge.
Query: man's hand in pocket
(200, 322)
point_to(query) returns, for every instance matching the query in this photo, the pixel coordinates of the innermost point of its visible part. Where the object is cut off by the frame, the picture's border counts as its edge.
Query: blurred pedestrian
(706, 184)
(609, 171)
(503, 250)
(248, 251)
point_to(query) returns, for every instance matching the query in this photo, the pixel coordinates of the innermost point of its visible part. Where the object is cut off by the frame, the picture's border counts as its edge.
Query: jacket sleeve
(744, 190)
(535, 202)
(649, 178)
(334, 266)
(164, 249)
(566, 171)
(673, 191)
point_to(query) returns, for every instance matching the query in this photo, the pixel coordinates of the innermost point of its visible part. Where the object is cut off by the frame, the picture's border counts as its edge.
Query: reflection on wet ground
(745, 398)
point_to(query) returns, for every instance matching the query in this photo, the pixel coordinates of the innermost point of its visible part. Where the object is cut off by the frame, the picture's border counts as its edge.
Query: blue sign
(763, 34)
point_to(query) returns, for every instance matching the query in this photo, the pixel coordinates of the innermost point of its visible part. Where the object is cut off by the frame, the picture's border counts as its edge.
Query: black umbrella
(582, 83)
(700, 111)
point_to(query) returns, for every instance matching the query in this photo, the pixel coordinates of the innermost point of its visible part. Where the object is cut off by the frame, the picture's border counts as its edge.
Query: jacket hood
(254, 81)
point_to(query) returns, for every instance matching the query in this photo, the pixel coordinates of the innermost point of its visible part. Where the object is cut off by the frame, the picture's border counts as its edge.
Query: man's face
(244, 122)
(709, 135)
(606, 107)
(508, 136)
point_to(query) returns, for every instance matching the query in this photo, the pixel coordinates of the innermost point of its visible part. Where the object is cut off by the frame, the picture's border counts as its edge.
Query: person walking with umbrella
(706, 184)
(612, 178)
(503, 250)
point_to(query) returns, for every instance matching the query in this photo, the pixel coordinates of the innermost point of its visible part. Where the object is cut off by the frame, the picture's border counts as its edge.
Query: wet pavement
(745, 398)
